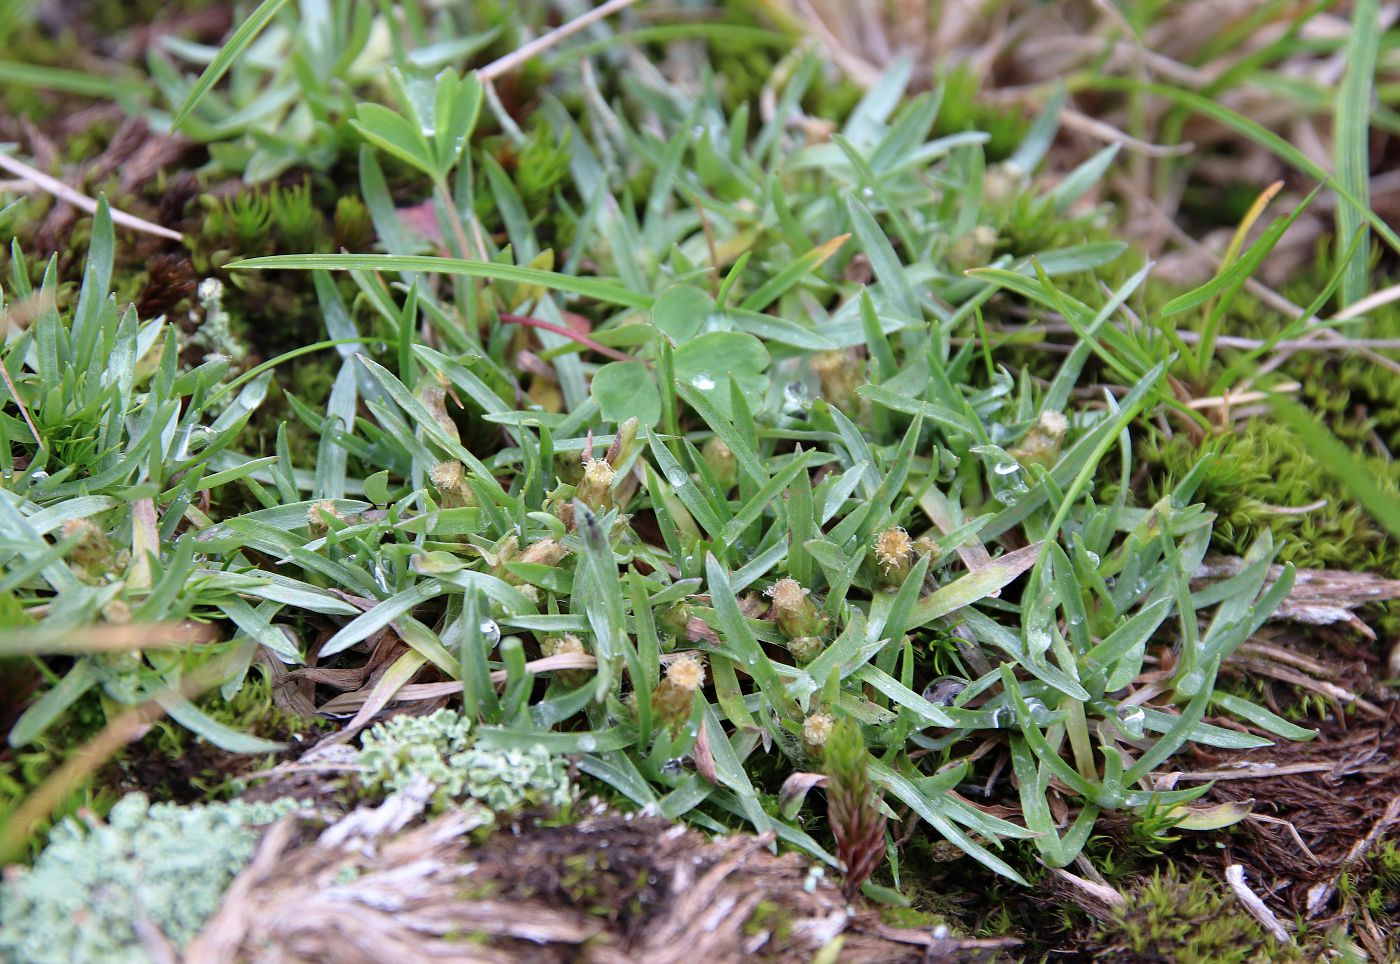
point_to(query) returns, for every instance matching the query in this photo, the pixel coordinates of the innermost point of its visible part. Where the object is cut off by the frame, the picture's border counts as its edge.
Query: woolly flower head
(315, 516)
(893, 549)
(446, 475)
(1054, 423)
(686, 672)
(787, 593)
(598, 472)
(816, 729)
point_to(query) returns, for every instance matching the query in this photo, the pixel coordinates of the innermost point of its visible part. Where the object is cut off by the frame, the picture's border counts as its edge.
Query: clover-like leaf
(625, 389)
(707, 362)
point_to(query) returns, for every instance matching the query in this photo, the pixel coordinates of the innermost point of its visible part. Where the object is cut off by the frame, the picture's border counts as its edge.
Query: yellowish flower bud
(320, 516)
(1041, 445)
(449, 479)
(794, 612)
(673, 697)
(894, 553)
(816, 729)
(974, 249)
(686, 672)
(545, 552)
(804, 649)
(721, 462)
(595, 488)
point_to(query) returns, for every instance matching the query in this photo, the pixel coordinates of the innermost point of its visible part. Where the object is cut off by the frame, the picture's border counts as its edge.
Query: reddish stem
(568, 333)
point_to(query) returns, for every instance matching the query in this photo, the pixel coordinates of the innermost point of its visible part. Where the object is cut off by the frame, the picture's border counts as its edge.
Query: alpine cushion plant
(806, 502)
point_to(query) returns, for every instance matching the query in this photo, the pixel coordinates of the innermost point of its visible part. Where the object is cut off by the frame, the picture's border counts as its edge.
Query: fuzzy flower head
(686, 672)
(840, 375)
(673, 698)
(446, 475)
(894, 551)
(794, 612)
(565, 645)
(91, 551)
(804, 649)
(595, 488)
(787, 593)
(1041, 445)
(816, 729)
(450, 480)
(316, 515)
(1053, 423)
(545, 552)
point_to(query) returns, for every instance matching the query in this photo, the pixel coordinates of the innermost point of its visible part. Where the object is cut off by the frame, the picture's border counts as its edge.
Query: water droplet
(703, 381)
(39, 476)
(1000, 717)
(1141, 586)
(677, 476)
(672, 767)
(1038, 640)
(945, 690)
(1093, 557)
(1133, 721)
(716, 321)
(867, 192)
(795, 401)
(698, 130)
(1006, 468)
(1005, 498)
(941, 932)
(490, 631)
(1040, 713)
(587, 744)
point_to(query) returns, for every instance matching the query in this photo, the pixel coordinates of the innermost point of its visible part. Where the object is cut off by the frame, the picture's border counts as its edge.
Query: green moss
(963, 110)
(1262, 477)
(24, 769)
(911, 918)
(1186, 920)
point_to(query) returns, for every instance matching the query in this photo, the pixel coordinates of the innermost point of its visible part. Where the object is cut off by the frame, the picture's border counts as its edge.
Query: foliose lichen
(439, 746)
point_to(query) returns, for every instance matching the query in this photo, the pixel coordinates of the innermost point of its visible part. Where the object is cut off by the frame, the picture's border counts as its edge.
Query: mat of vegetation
(787, 479)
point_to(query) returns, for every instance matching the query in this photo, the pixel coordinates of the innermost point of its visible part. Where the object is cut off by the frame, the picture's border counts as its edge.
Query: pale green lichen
(166, 864)
(439, 747)
(216, 330)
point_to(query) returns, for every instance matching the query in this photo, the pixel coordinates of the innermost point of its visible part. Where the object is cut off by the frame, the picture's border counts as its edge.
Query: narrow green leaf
(240, 41)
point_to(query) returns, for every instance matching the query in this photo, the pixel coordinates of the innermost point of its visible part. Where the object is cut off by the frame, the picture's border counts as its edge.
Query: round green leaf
(624, 389)
(681, 312)
(708, 362)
